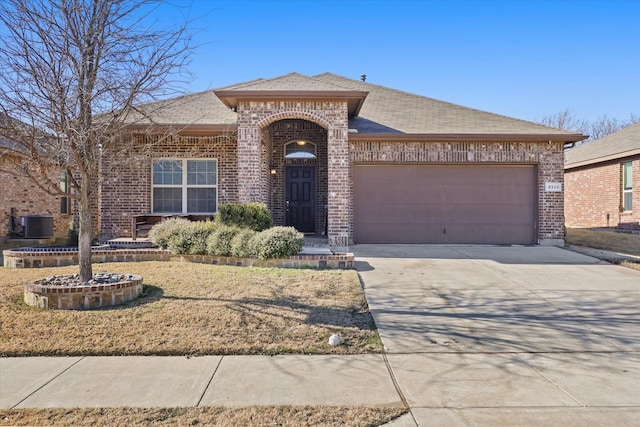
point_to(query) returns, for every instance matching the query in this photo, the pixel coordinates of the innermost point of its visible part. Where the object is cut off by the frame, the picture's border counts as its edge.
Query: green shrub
(255, 216)
(191, 238)
(161, 233)
(72, 234)
(277, 242)
(219, 241)
(241, 243)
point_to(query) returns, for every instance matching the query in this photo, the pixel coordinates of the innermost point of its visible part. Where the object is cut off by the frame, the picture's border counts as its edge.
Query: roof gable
(292, 86)
(288, 82)
(624, 143)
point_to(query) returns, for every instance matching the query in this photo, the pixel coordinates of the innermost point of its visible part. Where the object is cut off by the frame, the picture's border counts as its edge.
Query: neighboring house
(21, 196)
(602, 181)
(358, 162)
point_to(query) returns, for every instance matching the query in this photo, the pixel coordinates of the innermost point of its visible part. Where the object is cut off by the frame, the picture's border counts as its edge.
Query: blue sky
(520, 58)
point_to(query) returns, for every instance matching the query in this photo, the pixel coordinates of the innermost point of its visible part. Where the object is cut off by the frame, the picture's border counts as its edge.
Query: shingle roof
(385, 110)
(389, 110)
(624, 143)
(289, 82)
(7, 144)
(202, 108)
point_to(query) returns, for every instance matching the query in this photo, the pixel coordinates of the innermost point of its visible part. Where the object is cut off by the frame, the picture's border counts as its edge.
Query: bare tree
(73, 72)
(605, 125)
(602, 126)
(565, 120)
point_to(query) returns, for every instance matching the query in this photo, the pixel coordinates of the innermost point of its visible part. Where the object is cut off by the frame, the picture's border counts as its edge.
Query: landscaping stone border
(83, 296)
(58, 257)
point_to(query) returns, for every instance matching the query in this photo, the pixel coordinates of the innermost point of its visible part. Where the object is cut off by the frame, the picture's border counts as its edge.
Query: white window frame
(184, 186)
(627, 190)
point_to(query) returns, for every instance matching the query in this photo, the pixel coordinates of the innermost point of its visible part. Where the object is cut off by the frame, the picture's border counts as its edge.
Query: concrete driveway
(483, 335)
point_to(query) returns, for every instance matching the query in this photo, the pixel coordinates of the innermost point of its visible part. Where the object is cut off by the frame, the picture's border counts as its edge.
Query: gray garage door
(482, 204)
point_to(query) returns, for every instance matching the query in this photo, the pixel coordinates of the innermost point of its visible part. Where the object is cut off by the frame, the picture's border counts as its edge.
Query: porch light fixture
(301, 142)
(272, 169)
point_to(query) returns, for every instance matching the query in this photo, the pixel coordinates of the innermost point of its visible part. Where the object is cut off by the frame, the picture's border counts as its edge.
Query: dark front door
(301, 198)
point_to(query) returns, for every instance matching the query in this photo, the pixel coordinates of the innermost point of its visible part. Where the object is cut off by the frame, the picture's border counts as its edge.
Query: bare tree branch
(73, 72)
(601, 127)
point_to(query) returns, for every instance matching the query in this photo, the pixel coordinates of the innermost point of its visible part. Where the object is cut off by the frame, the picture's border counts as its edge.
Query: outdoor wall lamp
(272, 169)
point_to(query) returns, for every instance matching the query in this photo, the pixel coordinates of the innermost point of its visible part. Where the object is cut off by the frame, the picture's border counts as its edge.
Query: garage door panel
(444, 204)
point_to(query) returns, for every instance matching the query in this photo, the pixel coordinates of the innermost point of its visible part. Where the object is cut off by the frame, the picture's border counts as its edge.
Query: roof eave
(564, 138)
(603, 159)
(191, 129)
(355, 98)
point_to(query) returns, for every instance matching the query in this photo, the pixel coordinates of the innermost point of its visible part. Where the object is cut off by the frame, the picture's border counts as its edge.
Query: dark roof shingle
(624, 143)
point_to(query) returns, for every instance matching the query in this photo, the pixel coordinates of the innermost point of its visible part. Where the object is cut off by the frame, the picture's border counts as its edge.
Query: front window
(185, 186)
(627, 186)
(65, 201)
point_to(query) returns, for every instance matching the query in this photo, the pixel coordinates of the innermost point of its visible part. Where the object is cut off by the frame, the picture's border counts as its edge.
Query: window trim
(626, 190)
(185, 186)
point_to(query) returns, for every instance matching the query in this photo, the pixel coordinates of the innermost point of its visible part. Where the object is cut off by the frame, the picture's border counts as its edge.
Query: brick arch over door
(294, 114)
(278, 135)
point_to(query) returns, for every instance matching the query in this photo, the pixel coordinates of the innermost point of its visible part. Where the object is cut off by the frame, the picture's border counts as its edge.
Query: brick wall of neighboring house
(28, 199)
(593, 195)
(547, 157)
(126, 188)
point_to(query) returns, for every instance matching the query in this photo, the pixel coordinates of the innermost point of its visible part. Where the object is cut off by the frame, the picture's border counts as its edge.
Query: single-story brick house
(21, 196)
(357, 162)
(602, 181)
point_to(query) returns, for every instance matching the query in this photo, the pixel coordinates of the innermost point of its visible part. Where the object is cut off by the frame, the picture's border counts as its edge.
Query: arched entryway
(298, 166)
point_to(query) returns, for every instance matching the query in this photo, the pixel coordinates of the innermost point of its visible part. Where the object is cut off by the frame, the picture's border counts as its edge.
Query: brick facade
(27, 198)
(594, 195)
(127, 192)
(130, 193)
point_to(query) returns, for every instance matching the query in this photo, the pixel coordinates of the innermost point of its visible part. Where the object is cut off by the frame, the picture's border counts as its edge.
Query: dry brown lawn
(196, 309)
(626, 243)
(208, 416)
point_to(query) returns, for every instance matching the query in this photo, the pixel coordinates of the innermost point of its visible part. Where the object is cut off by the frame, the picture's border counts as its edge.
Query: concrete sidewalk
(68, 382)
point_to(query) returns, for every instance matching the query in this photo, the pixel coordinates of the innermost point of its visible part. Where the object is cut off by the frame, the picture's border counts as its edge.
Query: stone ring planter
(101, 292)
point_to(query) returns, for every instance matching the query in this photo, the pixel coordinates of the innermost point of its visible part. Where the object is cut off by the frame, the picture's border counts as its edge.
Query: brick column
(340, 202)
(249, 186)
(551, 204)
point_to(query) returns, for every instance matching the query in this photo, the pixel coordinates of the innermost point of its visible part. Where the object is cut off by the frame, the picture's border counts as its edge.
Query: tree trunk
(85, 230)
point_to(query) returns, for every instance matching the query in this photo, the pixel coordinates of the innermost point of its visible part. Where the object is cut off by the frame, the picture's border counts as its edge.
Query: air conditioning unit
(37, 226)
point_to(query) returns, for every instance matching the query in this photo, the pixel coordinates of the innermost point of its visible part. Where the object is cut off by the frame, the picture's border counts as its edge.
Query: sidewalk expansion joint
(397, 387)
(209, 382)
(539, 372)
(48, 382)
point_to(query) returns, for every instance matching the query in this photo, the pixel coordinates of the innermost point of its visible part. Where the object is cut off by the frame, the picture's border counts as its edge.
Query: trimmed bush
(241, 243)
(72, 235)
(219, 241)
(191, 238)
(161, 233)
(277, 242)
(255, 216)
